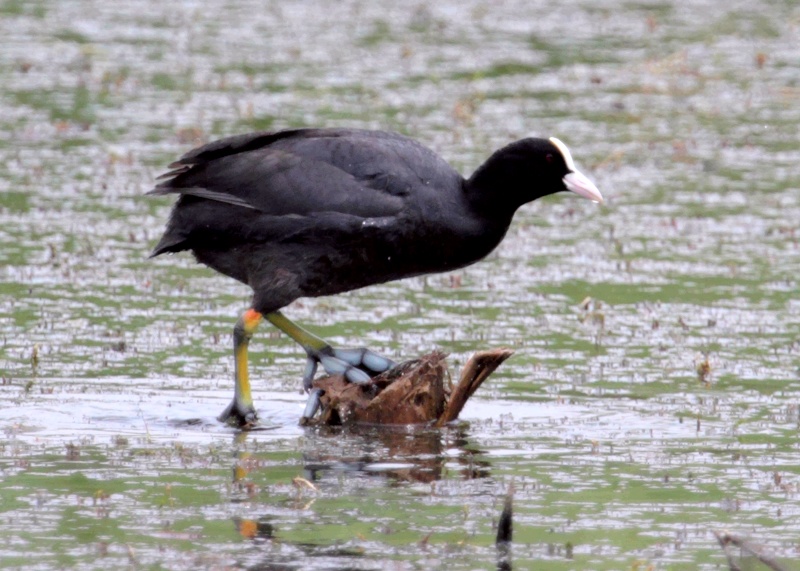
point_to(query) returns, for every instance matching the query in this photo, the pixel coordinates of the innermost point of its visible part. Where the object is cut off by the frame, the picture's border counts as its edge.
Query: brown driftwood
(414, 392)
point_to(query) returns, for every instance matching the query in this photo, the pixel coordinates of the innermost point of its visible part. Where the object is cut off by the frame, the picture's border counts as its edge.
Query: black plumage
(317, 212)
(314, 212)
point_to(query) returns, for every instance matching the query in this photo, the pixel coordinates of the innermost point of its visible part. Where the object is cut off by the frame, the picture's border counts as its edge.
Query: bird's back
(309, 170)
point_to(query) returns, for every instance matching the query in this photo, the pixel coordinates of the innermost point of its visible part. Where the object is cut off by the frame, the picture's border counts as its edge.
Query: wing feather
(362, 173)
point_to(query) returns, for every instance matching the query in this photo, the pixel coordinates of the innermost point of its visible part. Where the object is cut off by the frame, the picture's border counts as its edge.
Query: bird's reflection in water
(400, 454)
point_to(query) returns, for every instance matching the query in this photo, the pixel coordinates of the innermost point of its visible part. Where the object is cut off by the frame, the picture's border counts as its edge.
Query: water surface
(632, 424)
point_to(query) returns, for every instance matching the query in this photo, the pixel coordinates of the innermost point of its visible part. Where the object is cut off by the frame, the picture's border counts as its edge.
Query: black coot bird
(312, 212)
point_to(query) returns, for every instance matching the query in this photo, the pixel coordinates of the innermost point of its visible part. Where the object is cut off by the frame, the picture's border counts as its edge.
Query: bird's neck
(492, 194)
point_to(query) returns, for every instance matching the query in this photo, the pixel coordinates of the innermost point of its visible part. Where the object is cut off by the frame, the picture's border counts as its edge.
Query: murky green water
(623, 453)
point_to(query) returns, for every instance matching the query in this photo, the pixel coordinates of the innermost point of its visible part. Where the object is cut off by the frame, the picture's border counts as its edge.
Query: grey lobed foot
(312, 404)
(334, 366)
(237, 415)
(364, 358)
(308, 375)
(355, 364)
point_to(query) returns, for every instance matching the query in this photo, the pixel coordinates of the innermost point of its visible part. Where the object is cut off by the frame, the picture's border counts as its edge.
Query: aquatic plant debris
(414, 392)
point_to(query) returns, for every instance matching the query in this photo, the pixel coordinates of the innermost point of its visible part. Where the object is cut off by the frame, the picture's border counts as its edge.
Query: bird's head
(526, 170)
(572, 179)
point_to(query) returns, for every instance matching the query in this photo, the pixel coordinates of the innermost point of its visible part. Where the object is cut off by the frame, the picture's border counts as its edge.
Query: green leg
(305, 339)
(355, 364)
(241, 411)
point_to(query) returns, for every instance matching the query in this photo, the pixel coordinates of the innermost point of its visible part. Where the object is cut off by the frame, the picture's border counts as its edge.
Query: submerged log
(414, 392)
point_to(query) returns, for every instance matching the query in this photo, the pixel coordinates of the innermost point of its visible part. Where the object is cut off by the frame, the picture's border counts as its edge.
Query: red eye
(549, 158)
